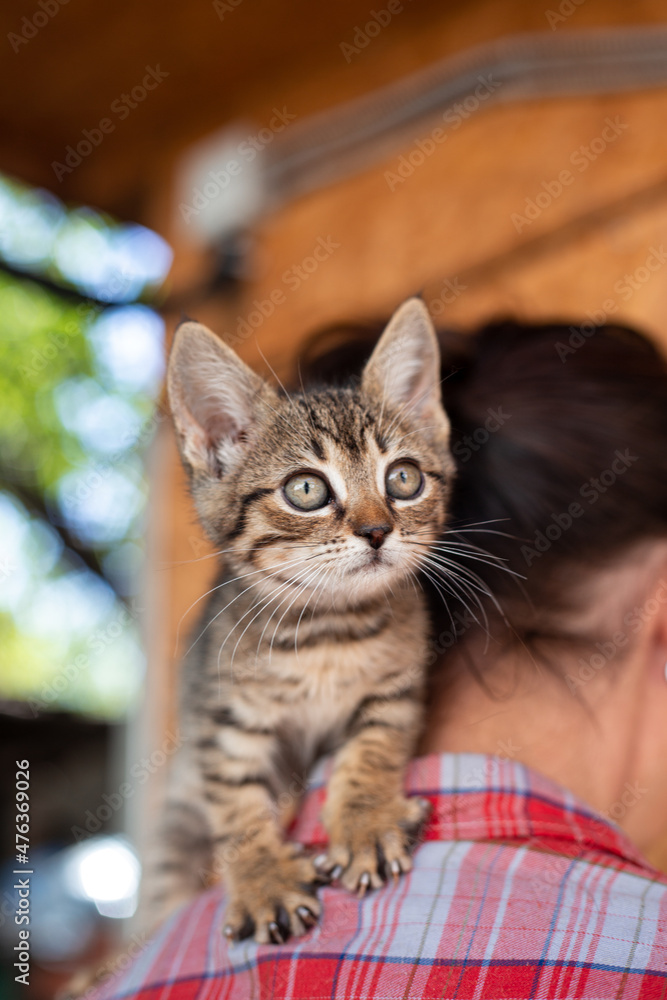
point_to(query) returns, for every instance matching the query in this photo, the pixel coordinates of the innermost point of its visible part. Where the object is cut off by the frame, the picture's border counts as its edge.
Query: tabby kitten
(313, 639)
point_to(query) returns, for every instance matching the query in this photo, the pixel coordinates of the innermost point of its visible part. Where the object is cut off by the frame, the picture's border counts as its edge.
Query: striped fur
(312, 640)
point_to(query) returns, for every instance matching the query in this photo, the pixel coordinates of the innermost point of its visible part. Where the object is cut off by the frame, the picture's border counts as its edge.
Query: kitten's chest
(307, 680)
(336, 680)
(319, 687)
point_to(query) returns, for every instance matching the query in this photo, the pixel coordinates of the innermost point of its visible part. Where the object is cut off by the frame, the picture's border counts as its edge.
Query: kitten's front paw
(368, 846)
(273, 897)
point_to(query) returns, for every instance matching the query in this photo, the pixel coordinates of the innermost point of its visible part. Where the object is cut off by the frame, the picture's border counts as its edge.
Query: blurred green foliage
(78, 382)
(42, 343)
(66, 639)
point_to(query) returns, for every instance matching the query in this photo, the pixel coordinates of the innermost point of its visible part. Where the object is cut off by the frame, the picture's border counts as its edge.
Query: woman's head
(559, 433)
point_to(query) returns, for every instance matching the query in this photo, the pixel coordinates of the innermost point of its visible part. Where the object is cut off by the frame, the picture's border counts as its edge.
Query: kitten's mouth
(375, 560)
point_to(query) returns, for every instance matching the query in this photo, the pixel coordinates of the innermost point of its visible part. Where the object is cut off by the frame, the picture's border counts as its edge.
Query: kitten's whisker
(462, 573)
(265, 602)
(408, 405)
(493, 561)
(473, 548)
(475, 527)
(467, 585)
(318, 591)
(288, 396)
(465, 573)
(405, 408)
(464, 551)
(476, 524)
(296, 581)
(420, 558)
(438, 586)
(414, 580)
(292, 581)
(304, 396)
(332, 572)
(457, 544)
(485, 562)
(309, 581)
(237, 550)
(453, 574)
(436, 553)
(483, 531)
(268, 576)
(419, 430)
(460, 594)
(188, 562)
(457, 548)
(243, 576)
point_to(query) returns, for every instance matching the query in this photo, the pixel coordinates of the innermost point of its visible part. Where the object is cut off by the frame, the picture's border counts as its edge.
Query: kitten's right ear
(214, 398)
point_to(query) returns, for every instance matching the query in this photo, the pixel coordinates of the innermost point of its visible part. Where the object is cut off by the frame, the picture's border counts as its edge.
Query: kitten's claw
(239, 929)
(275, 934)
(366, 850)
(327, 868)
(364, 883)
(274, 902)
(308, 919)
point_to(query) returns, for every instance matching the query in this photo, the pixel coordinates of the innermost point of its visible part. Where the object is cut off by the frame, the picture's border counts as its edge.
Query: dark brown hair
(559, 432)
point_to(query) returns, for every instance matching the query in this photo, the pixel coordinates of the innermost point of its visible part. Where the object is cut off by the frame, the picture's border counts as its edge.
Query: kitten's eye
(306, 491)
(404, 481)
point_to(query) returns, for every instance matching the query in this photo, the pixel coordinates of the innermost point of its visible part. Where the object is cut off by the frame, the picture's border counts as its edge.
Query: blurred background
(269, 170)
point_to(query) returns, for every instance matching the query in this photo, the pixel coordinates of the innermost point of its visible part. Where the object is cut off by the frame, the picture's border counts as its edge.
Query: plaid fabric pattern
(519, 890)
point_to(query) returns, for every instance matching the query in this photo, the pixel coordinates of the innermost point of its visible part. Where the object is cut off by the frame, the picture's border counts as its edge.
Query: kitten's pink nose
(375, 533)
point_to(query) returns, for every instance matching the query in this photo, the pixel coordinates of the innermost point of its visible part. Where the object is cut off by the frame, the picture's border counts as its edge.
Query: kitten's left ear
(404, 369)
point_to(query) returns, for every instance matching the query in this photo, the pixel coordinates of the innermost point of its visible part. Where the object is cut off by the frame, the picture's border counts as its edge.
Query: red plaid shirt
(519, 890)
